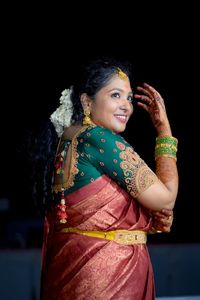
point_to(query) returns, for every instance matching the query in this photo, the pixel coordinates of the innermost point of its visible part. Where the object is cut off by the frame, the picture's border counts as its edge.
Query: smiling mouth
(122, 118)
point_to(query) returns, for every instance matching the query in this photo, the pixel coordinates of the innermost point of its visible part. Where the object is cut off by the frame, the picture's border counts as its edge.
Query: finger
(170, 219)
(144, 106)
(166, 229)
(167, 212)
(158, 214)
(155, 94)
(164, 220)
(144, 98)
(162, 227)
(145, 91)
(152, 91)
(163, 212)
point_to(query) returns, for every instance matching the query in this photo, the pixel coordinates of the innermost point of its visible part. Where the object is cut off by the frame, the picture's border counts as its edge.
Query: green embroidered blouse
(97, 151)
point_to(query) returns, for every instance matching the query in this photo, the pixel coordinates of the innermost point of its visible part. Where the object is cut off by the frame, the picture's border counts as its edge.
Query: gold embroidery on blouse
(138, 176)
(73, 164)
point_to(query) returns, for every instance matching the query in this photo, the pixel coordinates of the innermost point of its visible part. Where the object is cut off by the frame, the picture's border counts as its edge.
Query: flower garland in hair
(61, 117)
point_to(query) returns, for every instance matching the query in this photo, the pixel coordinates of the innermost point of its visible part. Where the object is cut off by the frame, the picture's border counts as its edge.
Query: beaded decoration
(59, 166)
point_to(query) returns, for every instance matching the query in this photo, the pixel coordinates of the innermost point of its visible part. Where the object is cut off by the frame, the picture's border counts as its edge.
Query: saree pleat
(81, 267)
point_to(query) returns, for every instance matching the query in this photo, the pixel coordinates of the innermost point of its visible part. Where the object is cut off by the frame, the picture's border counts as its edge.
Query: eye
(115, 95)
(130, 98)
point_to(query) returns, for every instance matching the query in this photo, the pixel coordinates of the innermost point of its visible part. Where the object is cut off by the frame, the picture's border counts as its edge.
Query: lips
(122, 118)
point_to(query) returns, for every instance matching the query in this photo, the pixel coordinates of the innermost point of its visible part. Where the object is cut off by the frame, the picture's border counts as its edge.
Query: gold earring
(86, 118)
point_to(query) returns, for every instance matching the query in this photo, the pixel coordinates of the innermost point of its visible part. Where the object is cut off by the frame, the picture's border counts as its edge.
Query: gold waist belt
(125, 237)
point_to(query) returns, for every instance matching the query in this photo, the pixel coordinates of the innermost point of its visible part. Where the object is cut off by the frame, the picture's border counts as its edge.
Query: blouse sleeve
(112, 155)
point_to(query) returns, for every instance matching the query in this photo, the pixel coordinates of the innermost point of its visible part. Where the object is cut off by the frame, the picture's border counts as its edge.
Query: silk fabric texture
(81, 267)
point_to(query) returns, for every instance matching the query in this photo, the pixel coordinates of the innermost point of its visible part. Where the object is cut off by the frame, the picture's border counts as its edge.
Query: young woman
(104, 196)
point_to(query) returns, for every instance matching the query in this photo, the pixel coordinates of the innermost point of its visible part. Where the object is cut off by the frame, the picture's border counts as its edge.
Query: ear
(86, 102)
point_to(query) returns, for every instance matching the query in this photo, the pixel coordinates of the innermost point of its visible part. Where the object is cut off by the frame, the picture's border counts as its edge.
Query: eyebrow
(120, 90)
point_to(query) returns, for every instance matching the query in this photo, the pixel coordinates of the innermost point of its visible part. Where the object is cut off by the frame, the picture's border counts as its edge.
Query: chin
(119, 129)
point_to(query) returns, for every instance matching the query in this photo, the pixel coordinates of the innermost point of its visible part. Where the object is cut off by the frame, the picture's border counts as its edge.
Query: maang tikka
(121, 74)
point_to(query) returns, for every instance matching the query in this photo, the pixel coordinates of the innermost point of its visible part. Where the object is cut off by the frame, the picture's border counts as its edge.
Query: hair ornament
(121, 74)
(61, 117)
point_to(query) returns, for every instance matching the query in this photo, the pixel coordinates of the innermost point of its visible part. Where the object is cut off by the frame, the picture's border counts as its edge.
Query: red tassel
(61, 213)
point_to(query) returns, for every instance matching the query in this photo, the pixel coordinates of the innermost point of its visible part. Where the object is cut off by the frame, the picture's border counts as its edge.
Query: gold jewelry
(86, 118)
(153, 230)
(121, 74)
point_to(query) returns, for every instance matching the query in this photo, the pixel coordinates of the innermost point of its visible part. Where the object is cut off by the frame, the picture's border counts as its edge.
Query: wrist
(164, 131)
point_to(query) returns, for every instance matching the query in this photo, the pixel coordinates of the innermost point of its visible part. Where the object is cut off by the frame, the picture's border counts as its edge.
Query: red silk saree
(79, 267)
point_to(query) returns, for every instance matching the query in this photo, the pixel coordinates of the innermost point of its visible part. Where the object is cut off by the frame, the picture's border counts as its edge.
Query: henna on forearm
(166, 169)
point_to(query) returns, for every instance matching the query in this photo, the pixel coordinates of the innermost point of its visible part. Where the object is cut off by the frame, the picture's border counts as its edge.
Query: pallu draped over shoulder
(104, 176)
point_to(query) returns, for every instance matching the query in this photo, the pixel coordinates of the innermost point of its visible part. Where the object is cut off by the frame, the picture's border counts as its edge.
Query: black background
(41, 49)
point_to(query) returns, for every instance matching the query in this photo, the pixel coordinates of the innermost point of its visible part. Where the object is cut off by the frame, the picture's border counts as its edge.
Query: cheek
(132, 109)
(103, 108)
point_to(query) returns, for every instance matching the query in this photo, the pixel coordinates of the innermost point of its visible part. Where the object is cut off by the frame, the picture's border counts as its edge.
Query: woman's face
(112, 106)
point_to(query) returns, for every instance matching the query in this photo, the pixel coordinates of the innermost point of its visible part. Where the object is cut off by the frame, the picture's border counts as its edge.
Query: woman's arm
(162, 194)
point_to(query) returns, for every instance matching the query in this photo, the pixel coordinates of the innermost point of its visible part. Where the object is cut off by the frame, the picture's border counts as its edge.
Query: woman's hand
(162, 220)
(151, 101)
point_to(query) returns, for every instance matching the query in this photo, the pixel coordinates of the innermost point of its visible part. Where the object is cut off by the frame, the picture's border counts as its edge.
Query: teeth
(121, 117)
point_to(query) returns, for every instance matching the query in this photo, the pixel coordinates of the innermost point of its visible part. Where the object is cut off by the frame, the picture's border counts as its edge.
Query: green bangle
(166, 146)
(158, 146)
(165, 150)
(167, 140)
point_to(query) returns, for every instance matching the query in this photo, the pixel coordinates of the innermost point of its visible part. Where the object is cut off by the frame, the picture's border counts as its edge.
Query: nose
(125, 105)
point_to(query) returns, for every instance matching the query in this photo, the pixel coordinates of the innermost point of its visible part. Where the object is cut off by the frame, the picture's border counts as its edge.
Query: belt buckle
(126, 238)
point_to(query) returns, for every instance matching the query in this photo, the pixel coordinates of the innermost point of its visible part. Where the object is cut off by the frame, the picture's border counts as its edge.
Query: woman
(104, 194)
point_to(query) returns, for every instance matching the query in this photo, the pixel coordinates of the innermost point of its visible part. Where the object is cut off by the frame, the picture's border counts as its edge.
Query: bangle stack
(166, 146)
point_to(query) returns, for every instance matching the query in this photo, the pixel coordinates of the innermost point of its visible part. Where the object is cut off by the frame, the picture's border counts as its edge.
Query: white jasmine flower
(61, 117)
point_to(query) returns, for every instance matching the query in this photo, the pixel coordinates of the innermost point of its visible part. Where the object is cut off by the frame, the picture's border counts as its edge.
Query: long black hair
(89, 79)
(42, 155)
